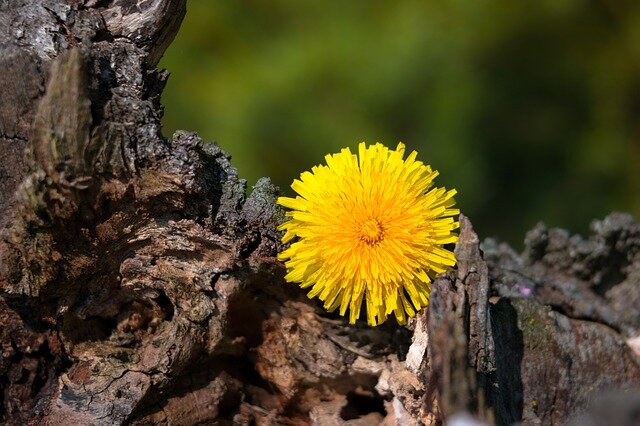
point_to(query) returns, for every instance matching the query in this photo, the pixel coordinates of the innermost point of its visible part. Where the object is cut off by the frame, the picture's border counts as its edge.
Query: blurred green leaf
(530, 109)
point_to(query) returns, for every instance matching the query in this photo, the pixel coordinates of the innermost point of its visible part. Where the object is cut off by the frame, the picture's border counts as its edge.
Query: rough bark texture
(540, 337)
(138, 283)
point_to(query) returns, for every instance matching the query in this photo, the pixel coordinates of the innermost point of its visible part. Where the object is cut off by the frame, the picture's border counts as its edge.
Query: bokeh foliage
(531, 109)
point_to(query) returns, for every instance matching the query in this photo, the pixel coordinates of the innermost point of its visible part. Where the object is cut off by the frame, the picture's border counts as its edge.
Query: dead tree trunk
(138, 283)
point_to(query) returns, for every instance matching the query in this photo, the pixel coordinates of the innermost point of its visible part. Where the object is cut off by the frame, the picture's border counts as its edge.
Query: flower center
(371, 232)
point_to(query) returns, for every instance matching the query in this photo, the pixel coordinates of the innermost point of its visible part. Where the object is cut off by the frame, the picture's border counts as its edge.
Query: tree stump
(139, 284)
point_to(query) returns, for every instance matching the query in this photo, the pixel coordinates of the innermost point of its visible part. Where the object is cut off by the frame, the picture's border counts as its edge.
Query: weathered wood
(138, 283)
(554, 340)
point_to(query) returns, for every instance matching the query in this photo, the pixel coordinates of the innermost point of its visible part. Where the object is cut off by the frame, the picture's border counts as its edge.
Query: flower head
(368, 227)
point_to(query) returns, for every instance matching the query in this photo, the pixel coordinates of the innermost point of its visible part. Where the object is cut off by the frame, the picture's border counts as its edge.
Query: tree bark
(139, 285)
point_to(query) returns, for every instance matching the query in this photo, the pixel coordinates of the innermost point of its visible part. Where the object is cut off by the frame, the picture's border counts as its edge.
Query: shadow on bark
(504, 386)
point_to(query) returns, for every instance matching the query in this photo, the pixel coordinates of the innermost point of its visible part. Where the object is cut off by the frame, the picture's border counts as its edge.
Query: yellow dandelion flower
(368, 227)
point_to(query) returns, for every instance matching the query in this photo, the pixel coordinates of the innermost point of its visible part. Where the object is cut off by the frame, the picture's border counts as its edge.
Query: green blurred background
(531, 109)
